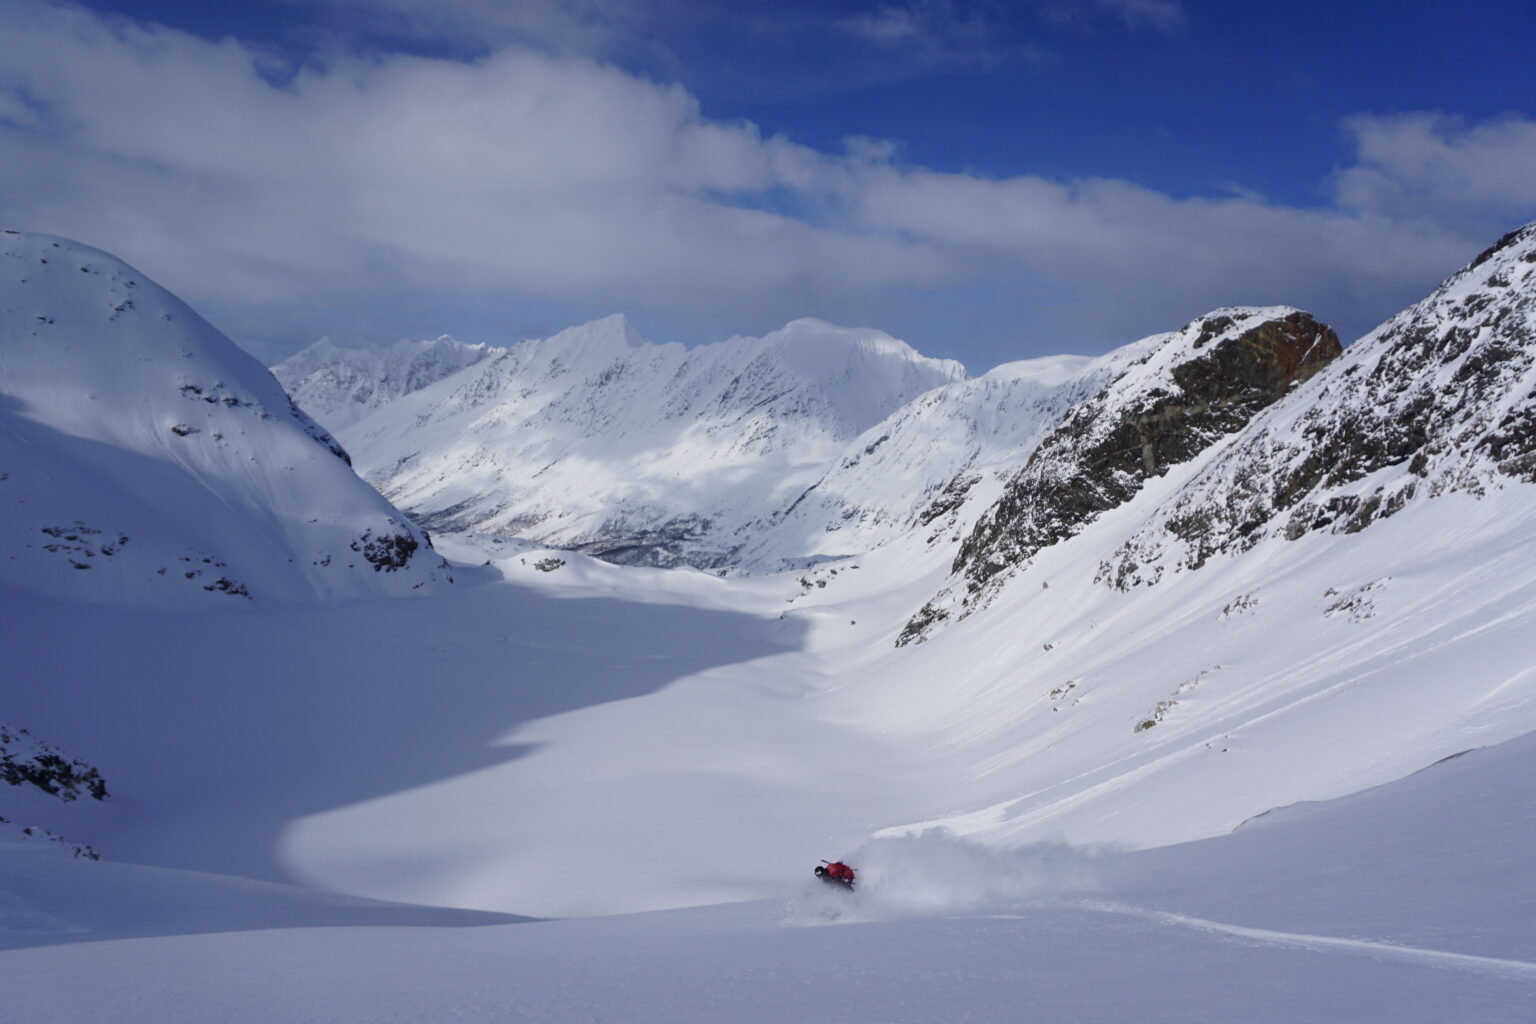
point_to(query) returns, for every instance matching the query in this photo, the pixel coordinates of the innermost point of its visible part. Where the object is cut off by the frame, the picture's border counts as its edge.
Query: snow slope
(923, 466)
(1363, 909)
(600, 441)
(1221, 794)
(144, 458)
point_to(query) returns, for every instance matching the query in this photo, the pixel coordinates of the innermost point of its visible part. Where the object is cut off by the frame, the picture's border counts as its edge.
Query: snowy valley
(1192, 682)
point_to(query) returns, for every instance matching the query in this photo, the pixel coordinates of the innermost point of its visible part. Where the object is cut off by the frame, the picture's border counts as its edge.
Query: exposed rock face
(1191, 388)
(26, 760)
(1440, 398)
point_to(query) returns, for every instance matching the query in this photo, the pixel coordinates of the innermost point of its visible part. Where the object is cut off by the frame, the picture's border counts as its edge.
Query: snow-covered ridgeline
(1167, 399)
(145, 458)
(598, 440)
(930, 467)
(339, 382)
(1439, 399)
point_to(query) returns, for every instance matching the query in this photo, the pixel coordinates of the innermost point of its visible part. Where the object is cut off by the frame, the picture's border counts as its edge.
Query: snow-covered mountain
(144, 458)
(1441, 399)
(925, 465)
(600, 441)
(339, 381)
(1229, 709)
(1174, 396)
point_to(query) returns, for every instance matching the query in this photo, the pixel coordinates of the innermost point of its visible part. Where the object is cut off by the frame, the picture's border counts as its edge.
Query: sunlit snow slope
(1134, 782)
(1297, 668)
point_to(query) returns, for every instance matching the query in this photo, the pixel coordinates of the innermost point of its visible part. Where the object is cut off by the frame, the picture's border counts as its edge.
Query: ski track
(1513, 969)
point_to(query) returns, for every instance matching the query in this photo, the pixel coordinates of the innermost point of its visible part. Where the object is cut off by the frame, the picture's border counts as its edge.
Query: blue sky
(989, 181)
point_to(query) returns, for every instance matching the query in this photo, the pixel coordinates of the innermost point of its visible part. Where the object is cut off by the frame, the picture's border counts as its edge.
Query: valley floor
(673, 752)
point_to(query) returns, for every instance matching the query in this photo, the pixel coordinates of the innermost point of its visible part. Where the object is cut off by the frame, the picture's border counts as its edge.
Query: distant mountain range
(600, 441)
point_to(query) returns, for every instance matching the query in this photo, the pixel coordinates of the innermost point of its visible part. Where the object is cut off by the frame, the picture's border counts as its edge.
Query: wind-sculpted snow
(146, 459)
(1439, 399)
(1180, 393)
(340, 383)
(602, 442)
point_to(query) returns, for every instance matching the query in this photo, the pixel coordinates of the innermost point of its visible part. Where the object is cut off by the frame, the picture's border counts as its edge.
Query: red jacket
(840, 871)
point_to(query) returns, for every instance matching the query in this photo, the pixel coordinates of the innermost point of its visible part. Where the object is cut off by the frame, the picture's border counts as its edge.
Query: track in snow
(1513, 969)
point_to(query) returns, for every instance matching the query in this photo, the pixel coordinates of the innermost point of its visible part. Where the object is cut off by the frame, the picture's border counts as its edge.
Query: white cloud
(934, 33)
(1163, 14)
(525, 176)
(568, 27)
(1433, 163)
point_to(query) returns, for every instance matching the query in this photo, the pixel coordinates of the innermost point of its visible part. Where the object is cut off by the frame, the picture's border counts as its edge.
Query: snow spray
(936, 873)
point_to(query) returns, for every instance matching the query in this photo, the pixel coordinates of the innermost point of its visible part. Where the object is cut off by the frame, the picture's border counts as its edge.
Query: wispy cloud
(1431, 164)
(1163, 14)
(524, 176)
(936, 33)
(566, 27)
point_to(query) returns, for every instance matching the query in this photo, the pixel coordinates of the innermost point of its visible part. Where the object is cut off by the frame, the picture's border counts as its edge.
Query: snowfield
(1291, 783)
(596, 740)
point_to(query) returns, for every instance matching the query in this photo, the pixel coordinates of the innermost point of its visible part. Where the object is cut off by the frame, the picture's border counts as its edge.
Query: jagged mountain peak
(1178, 394)
(601, 441)
(1439, 399)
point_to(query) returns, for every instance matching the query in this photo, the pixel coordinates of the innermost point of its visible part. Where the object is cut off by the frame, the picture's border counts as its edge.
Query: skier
(835, 872)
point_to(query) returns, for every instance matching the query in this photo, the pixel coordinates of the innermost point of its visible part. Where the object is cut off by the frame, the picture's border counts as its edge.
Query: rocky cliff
(1439, 399)
(1184, 391)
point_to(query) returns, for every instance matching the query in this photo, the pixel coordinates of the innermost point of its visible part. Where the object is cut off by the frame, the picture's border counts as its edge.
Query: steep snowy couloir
(146, 459)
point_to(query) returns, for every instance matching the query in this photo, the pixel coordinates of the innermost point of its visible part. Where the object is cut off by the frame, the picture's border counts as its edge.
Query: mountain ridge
(600, 441)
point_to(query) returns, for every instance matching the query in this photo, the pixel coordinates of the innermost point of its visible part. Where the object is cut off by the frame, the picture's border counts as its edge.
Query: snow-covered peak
(931, 466)
(1174, 395)
(822, 348)
(599, 440)
(339, 381)
(1441, 398)
(605, 338)
(144, 457)
(1048, 371)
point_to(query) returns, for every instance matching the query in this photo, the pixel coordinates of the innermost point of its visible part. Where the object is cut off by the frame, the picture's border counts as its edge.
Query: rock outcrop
(1191, 388)
(1439, 399)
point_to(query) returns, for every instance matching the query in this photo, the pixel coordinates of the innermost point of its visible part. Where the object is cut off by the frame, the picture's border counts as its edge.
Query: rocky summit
(1439, 399)
(1184, 391)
